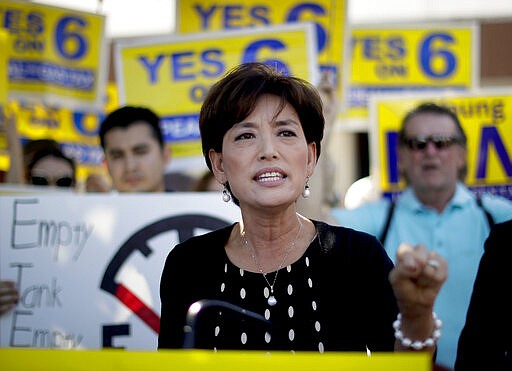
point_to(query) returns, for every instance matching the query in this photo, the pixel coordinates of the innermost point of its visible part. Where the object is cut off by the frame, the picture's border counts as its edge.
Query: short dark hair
(430, 107)
(51, 151)
(34, 146)
(234, 97)
(125, 116)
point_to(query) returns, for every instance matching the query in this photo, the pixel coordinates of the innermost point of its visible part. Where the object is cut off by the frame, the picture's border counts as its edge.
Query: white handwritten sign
(88, 266)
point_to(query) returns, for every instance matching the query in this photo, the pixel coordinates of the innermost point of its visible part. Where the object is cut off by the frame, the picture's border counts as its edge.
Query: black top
(486, 339)
(336, 297)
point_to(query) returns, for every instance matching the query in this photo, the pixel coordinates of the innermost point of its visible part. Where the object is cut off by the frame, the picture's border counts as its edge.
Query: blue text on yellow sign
(172, 75)
(486, 122)
(327, 16)
(54, 52)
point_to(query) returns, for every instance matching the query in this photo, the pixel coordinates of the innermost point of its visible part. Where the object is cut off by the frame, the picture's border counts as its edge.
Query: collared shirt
(458, 234)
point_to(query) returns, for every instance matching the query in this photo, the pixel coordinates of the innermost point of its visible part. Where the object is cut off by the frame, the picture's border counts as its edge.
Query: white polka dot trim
(290, 289)
(321, 347)
(242, 293)
(267, 314)
(243, 338)
(290, 311)
(267, 337)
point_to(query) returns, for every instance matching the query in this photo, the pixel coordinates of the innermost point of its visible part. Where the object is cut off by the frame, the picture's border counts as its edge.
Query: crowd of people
(424, 272)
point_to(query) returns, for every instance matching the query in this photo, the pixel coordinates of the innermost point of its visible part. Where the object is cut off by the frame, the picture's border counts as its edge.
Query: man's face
(431, 168)
(134, 158)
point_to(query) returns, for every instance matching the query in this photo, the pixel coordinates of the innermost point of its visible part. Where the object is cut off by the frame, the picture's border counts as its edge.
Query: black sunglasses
(439, 141)
(64, 181)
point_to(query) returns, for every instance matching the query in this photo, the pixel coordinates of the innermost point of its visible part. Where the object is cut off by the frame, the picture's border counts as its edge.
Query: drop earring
(226, 197)
(306, 192)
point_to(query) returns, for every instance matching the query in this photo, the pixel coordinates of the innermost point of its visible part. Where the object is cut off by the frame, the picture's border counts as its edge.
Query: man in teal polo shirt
(437, 210)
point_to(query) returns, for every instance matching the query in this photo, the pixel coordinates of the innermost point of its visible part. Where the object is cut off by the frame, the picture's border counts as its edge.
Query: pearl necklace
(271, 299)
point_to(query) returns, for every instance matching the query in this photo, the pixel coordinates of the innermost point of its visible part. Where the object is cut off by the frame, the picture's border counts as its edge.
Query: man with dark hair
(436, 210)
(135, 153)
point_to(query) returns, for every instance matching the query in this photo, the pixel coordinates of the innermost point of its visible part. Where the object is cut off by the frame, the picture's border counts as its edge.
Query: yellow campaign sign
(201, 360)
(55, 55)
(77, 132)
(3, 66)
(172, 74)
(485, 118)
(418, 58)
(328, 17)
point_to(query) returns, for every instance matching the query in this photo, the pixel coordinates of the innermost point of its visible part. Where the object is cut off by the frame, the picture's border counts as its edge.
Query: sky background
(150, 17)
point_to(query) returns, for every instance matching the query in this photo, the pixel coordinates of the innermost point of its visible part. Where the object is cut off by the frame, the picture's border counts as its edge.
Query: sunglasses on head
(65, 181)
(439, 141)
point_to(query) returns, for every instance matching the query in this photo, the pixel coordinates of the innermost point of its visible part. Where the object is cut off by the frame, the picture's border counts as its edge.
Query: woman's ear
(217, 166)
(312, 159)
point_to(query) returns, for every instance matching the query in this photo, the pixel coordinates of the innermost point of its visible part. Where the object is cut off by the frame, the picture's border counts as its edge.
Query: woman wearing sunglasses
(50, 167)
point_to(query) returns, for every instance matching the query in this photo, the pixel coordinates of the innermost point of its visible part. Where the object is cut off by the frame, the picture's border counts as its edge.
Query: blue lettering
(371, 48)
(152, 67)
(69, 41)
(35, 24)
(396, 48)
(260, 13)
(295, 16)
(12, 20)
(490, 135)
(198, 93)
(251, 54)
(179, 64)
(432, 54)
(205, 15)
(211, 58)
(232, 13)
(79, 119)
(392, 146)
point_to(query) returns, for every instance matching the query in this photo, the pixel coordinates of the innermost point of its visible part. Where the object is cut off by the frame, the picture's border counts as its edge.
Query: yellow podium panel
(200, 360)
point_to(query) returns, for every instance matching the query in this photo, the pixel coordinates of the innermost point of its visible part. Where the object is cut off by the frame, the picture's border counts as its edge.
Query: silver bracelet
(418, 345)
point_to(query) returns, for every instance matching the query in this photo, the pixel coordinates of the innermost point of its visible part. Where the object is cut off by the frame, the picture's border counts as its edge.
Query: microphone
(199, 306)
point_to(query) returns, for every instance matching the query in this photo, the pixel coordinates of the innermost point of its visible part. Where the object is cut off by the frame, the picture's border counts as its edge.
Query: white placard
(88, 266)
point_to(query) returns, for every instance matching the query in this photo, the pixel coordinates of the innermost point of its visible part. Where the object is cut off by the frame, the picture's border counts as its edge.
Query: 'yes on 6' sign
(54, 54)
(426, 56)
(173, 74)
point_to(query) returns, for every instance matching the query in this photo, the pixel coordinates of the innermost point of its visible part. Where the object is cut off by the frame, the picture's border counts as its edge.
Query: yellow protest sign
(485, 118)
(197, 360)
(76, 131)
(173, 74)
(56, 55)
(414, 58)
(328, 17)
(3, 67)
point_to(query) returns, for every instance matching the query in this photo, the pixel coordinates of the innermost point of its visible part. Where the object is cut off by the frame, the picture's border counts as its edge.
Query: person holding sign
(437, 210)
(312, 286)
(47, 165)
(9, 296)
(135, 153)
(486, 339)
